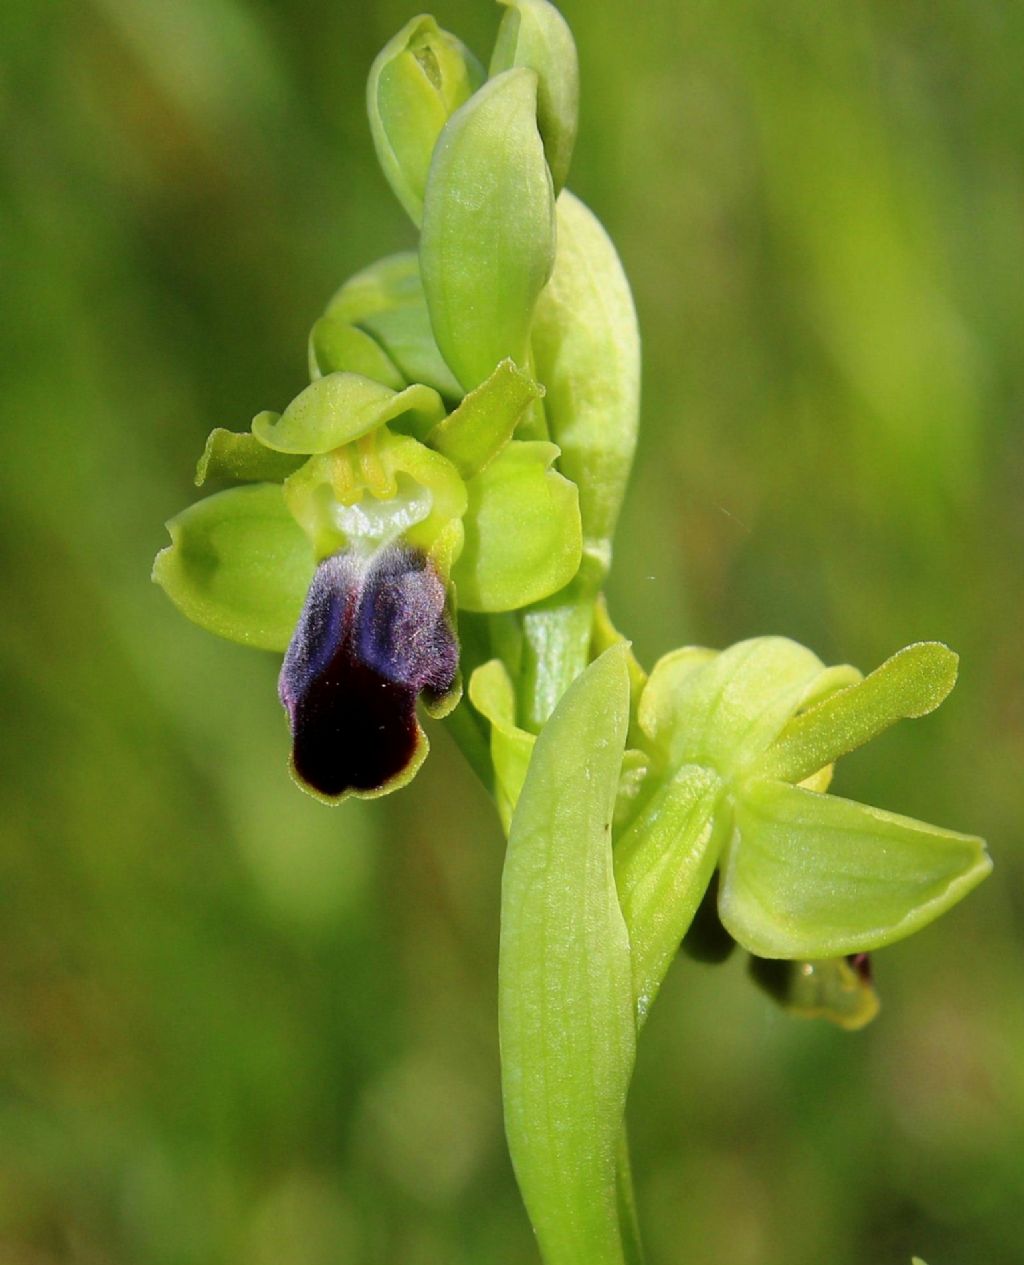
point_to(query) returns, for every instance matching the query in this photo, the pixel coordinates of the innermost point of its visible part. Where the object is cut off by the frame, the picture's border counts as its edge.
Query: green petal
(663, 864)
(568, 1036)
(488, 239)
(813, 876)
(341, 407)
(483, 423)
(493, 695)
(416, 81)
(230, 455)
(337, 347)
(239, 566)
(522, 531)
(912, 683)
(724, 710)
(534, 34)
(587, 354)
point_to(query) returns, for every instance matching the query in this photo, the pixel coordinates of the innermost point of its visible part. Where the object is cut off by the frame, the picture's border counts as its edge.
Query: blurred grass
(238, 1027)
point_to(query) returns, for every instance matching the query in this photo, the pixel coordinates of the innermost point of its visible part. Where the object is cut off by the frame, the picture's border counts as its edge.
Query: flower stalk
(426, 529)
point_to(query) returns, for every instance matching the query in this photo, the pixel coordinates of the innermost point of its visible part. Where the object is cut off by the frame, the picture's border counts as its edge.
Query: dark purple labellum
(372, 636)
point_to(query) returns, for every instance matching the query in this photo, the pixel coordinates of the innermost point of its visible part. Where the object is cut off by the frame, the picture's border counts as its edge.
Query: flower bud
(416, 82)
(534, 34)
(387, 302)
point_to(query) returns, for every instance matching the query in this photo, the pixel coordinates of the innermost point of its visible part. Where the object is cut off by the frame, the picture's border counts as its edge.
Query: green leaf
(493, 695)
(534, 34)
(522, 531)
(565, 989)
(483, 423)
(814, 876)
(724, 710)
(337, 347)
(587, 354)
(416, 81)
(488, 238)
(341, 407)
(238, 565)
(912, 683)
(230, 455)
(663, 864)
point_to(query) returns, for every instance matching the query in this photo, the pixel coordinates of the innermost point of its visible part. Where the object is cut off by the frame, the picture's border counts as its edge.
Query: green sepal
(568, 1035)
(723, 710)
(384, 488)
(335, 346)
(238, 565)
(523, 538)
(814, 876)
(493, 695)
(483, 423)
(534, 34)
(830, 989)
(488, 239)
(237, 455)
(663, 864)
(341, 407)
(386, 300)
(910, 684)
(418, 79)
(586, 350)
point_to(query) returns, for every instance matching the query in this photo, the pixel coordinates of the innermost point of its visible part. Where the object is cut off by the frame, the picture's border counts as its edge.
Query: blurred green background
(238, 1027)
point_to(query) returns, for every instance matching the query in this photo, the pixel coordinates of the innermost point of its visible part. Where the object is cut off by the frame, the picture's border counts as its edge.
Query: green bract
(488, 240)
(566, 1015)
(586, 351)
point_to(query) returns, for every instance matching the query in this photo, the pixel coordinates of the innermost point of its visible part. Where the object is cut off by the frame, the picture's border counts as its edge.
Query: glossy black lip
(373, 634)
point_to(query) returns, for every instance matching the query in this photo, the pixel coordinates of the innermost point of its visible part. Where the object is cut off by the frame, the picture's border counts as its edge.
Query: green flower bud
(416, 83)
(387, 301)
(534, 34)
(488, 238)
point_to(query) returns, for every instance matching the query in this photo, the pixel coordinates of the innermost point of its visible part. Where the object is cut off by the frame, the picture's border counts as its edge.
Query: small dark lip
(374, 634)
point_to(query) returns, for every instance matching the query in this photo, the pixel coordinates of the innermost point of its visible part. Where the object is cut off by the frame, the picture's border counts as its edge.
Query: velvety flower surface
(373, 636)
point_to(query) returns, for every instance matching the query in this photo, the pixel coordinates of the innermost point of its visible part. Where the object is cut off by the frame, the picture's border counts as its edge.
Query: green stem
(632, 1247)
